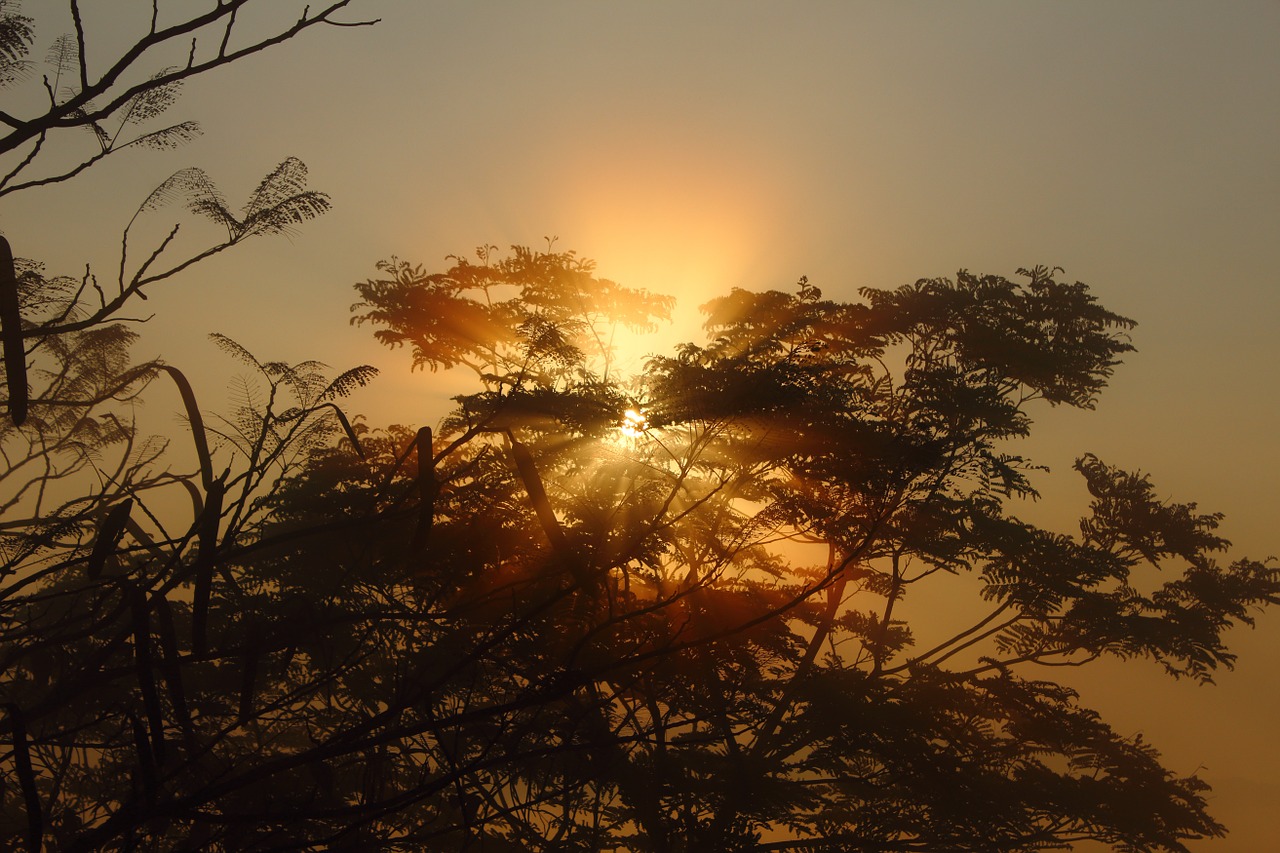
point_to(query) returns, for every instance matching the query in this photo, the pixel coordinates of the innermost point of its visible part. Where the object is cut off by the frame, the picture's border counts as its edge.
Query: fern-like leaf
(169, 138)
(16, 37)
(150, 103)
(64, 57)
(204, 199)
(283, 182)
(235, 350)
(178, 185)
(282, 201)
(348, 381)
(16, 34)
(281, 218)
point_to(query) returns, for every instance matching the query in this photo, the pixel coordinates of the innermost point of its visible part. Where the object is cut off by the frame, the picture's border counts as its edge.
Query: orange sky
(689, 148)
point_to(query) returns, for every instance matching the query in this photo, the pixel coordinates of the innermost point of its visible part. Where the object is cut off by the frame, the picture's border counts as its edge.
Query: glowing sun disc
(634, 423)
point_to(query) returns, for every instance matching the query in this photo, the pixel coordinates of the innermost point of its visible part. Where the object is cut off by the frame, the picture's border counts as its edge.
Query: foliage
(533, 318)
(540, 630)
(552, 627)
(99, 569)
(588, 611)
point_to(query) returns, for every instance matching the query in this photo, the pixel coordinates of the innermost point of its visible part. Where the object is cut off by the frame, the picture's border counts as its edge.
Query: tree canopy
(585, 610)
(596, 612)
(742, 699)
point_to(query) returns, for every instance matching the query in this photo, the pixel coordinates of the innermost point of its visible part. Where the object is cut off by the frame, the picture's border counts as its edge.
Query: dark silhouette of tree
(550, 625)
(104, 587)
(118, 101)
(583, 611)
(718, 695)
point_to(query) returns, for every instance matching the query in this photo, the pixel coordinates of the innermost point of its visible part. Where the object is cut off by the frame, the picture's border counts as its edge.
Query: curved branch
(78, 110)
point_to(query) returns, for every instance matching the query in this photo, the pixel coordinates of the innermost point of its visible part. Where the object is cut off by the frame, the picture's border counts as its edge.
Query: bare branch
(26, 161)
(80, 53)
(78, 110)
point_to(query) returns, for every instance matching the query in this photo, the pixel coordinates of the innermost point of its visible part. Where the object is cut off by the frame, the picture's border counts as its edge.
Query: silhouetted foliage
(106, 590)
(587, 611)
(548, 625)
(598, 643)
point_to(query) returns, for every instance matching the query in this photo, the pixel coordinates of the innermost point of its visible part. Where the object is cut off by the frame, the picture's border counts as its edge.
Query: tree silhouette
(585, 611)
(721, 695)
(550, 625)
(98, 573)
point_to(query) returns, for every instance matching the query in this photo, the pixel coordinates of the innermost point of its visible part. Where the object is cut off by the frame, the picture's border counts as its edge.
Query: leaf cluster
(545, 626)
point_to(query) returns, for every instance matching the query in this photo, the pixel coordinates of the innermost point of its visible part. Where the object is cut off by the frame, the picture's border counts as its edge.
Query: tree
(93, 579)
(117, 104)
(565, 621)
(608, 650)
(582, 613)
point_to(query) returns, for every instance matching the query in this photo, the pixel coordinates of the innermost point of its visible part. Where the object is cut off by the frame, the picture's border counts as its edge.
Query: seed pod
(428, 488)
(109, 534)
(196, 421)
(249, 671)
(146, 761)
(205, 559)
(26, 778)
(15, 356)
(141, 615)
(171, 666)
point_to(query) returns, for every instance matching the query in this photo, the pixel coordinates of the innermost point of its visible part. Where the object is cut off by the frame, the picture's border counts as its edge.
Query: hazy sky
(692, 147)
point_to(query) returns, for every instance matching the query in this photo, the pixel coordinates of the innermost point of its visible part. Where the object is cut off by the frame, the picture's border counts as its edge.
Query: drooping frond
(169, 137)
(16, 37)
(282, 201)
(235, 350)
(151, 102)
(94, 128)
(348, 381)
(178, 185)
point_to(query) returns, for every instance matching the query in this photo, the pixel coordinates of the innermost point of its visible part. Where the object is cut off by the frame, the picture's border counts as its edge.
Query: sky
(693, 147)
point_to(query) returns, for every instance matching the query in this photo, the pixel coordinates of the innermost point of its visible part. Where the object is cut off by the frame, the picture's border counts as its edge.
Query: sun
(634, 423)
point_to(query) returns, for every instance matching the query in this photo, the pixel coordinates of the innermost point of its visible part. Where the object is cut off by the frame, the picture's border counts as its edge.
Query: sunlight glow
(634, 423)
(672, 210)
